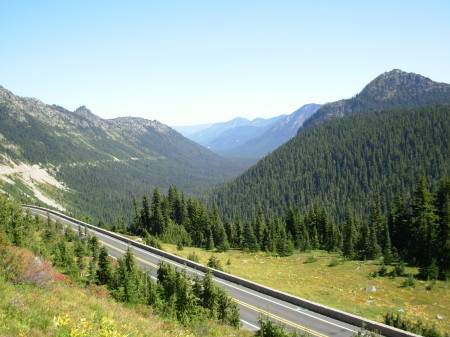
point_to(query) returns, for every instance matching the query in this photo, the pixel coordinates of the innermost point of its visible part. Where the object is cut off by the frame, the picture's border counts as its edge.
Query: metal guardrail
(383, 329)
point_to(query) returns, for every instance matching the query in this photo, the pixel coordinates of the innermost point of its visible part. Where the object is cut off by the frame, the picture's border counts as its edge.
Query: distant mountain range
(241, 137)
(191, 129)
(79, 161)
(380, 140)
(85, 164)
(277, 134)
(225, 135)
(255, 139)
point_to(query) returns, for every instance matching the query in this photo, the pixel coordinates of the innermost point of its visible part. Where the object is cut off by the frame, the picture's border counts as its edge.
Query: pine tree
(17, 228)
(128, 276)
(210, 245)
(197, 223)
(157, 221)
(151, 295)
(376, 218)
(259, 225)
(209, 296)
(349, 234)
(222, 244)
(227, 309)
(92, 272)
(130, 262)
(250, 242)
(230, 230)
(290, 222)
(94, 246)
(285, 246)
(443, 231)
(386, 247)
(217, 229)
(399, 225)
(80, 252)
(180, 210)
(104, 271)
(372, 249)
(185, 300)
(135, 226)
(167, 279)
(424, 224)
(239, 232)
(144, 218)
(304, 243)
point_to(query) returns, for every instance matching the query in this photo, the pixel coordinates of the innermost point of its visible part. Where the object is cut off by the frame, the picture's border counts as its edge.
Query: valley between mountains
(328, 200)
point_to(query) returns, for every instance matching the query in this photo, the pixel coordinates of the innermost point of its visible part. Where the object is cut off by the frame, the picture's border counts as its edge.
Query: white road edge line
(220, 281)
(250, 324)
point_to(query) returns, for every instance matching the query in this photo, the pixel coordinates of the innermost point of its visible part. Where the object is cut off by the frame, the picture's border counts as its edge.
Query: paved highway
(252, 304)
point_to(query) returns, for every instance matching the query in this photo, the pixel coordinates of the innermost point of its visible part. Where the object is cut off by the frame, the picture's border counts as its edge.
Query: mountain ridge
(101, 162)
(219, 133)
(279, 133)
(319, 163)
(392, 89)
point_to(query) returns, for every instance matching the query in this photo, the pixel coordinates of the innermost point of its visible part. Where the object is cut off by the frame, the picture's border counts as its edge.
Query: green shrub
(193, 257)
(400, 269)
(270, 329)
(409, 282)
(334, 263)
(214, 262)
(383, 271)
(311, 259)
(397, 321)
(152, 241)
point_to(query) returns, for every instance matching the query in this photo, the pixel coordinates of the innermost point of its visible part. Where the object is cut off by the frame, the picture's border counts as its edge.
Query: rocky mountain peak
(394, 89)
(82, 110)
(88, 119)
(138, 126)
(390, 83)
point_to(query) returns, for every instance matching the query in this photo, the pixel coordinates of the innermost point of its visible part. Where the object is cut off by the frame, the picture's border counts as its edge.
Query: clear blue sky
(192, 62)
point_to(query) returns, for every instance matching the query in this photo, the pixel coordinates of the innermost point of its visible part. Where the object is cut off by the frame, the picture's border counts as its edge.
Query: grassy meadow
(65, 309)
(342, 286)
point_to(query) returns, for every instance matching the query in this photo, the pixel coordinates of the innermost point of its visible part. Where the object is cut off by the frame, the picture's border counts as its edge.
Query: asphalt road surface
(252, 304)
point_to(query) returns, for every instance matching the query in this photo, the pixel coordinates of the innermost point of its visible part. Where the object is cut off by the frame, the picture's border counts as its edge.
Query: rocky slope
(101, 163)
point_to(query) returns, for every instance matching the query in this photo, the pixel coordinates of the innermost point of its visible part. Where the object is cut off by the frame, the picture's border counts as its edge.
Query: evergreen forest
(345, 162)
(189, 301)
(368, 186)
(416, 232)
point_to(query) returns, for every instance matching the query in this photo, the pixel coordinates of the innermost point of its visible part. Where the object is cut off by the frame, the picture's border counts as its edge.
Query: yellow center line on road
(281, 319)
(251, 307)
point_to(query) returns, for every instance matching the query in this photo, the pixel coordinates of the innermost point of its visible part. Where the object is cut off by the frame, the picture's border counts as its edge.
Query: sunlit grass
(342, 287)
(69, 310)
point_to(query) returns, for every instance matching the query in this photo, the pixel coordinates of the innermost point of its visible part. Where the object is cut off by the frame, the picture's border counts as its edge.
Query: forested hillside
(100, 163)
(370, 186)
(82, 260)
(392, 90)
(416, 230)
(344, 162)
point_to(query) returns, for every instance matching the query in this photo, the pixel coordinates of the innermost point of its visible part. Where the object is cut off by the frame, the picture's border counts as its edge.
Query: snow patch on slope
(31, 176)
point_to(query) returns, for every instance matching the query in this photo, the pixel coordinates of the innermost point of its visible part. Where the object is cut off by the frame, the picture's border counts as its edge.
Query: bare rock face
(85, 157)
(390, 90)
(371, 289)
